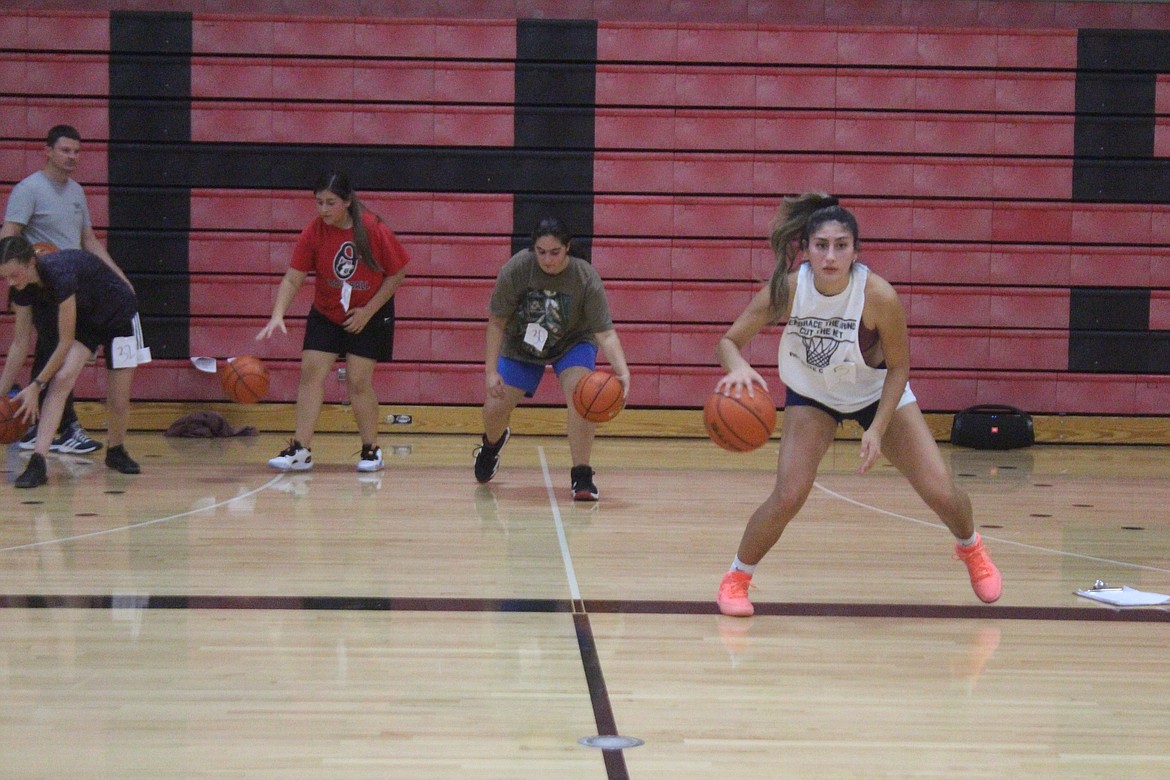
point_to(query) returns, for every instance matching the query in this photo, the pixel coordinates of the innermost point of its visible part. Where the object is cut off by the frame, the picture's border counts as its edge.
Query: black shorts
(376, 341)
(93, 335)
(863, 416)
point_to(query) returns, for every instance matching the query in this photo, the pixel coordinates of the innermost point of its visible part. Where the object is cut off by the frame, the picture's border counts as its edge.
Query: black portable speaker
(992, 427)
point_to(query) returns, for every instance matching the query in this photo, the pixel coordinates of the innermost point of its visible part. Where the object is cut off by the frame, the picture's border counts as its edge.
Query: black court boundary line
(594, 606)
(603, 714)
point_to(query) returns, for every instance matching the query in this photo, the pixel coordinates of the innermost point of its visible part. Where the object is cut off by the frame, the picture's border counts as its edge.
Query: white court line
(996, 539)
(574, 591)
(144, 523)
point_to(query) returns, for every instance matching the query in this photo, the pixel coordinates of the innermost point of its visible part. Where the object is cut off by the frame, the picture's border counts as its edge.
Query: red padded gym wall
(955, 148)
(1007, 163)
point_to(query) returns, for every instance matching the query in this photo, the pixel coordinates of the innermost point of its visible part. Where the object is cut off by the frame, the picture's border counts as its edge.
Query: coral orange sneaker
(985, 579)
(733, 594)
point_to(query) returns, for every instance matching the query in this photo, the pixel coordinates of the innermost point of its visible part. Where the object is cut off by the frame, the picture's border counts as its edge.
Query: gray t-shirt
(564, 309)
(52, 212)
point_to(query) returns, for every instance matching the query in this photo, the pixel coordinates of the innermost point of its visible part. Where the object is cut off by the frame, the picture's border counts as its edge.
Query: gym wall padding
(1011, 180)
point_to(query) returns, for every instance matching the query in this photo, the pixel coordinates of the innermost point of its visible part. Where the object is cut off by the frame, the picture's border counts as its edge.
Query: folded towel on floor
(206, 425)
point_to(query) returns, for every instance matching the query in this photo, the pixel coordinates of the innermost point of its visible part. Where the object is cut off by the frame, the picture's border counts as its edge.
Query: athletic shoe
(733, 594)
(29, 441)
(37, 473)
(119, 460)
(582, 481)
(293, 458)
(487, 457)
(985, 579)
(75, 440)
(371, 459)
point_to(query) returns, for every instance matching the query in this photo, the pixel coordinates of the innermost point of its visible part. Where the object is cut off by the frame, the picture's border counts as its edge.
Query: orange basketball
(43, 248)
(11, 428)
(244, 379)
(598, 396)
(740, 423)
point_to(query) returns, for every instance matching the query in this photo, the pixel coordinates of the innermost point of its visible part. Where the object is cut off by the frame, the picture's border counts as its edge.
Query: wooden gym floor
(212, 619)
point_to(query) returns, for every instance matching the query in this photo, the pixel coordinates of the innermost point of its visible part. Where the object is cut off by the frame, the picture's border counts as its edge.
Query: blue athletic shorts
(527, 376)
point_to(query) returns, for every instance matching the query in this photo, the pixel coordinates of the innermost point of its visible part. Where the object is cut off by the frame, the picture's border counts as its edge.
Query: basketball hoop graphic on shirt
(818, 350)
(822, 337)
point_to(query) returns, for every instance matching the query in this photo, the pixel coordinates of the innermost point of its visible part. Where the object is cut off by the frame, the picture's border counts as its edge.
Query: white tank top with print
(819, 356)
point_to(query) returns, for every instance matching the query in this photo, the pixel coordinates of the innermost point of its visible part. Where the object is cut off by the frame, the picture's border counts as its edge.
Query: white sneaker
(293, 458)
(371, 459)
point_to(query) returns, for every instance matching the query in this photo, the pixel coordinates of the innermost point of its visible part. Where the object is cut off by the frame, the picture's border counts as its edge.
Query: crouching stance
(844, 354)
(94, 306)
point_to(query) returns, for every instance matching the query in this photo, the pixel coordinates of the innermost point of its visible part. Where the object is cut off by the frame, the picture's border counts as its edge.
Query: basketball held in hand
(11, 427)
(244, 379)
(740, 423)
(598, 396)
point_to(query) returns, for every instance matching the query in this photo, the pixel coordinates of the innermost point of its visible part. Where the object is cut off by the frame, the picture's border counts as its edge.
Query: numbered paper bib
(535, 336)
(128, 351)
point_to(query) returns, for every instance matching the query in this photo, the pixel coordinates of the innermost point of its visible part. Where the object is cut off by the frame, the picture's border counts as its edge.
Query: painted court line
(144, 523)
(574, 590)
(996, 539)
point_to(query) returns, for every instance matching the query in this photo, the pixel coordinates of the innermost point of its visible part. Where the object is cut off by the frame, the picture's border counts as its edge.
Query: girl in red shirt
(358, 264)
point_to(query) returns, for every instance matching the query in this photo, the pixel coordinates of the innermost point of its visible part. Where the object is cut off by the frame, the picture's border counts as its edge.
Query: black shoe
(118, 460)
(36, 474)
(487, 457)
(583, 487)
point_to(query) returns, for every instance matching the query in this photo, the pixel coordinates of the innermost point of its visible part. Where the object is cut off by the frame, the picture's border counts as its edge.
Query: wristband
(38, 383)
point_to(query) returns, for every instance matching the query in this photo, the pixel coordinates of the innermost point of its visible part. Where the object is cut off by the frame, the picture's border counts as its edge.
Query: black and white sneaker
(487, 457)
(583, 487)
(29, 440)
(294, 457)
(75, 441)
(371, 459)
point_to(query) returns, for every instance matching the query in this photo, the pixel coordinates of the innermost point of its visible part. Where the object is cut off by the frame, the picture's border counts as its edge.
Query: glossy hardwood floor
(212, 619)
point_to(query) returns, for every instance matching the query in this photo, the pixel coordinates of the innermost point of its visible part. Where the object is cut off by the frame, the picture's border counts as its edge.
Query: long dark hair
(339, 185)
(798, 218)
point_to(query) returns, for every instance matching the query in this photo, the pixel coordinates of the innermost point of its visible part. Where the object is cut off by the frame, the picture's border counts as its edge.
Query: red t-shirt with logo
(329, 252)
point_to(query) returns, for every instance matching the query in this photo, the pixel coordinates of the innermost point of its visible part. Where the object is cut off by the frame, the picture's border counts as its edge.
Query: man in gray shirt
(49, 207)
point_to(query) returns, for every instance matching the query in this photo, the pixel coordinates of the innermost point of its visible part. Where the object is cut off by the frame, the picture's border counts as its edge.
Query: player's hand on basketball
(871, 450)
(625, 380)
(739, 381)
(29, 403)
(270, 328)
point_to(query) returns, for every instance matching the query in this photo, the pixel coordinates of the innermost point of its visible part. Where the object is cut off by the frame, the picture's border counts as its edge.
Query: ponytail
(361, 236)
(799, 216)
